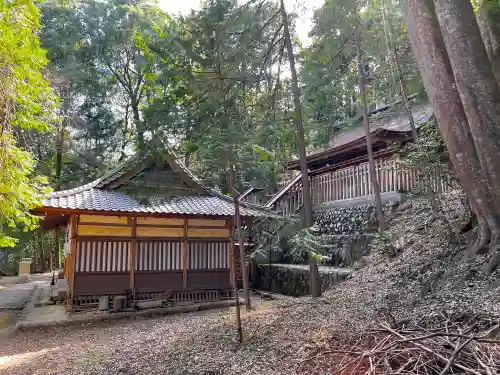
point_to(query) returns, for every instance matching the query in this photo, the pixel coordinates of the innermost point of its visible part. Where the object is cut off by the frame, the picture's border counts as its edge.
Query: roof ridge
(78, 189)
(123, 167)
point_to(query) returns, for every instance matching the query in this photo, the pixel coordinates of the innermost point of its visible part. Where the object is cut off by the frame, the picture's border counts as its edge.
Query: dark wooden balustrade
(352, 182)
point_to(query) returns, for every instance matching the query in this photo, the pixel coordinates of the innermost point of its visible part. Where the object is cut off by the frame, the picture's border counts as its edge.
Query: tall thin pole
(239, 330)
(241, 240)
(308, 221)
(404, 89)
(306, 189)
(371, 161)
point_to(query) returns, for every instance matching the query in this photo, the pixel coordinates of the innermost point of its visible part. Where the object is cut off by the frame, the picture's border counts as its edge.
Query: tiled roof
(95, 197)
(394, 120)
(390, 119)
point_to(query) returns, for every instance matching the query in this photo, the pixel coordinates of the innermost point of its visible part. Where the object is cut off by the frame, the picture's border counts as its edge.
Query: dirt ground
(194, 343)
(422, 275)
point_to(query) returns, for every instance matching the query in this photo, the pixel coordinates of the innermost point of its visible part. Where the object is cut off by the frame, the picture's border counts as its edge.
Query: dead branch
(437, 345)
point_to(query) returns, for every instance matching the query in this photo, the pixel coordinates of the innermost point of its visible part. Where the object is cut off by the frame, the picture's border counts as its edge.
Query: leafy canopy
(26, 102)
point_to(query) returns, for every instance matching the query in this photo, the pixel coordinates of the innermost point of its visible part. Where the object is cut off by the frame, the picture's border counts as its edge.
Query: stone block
(119, 303)
(103, 303)
(61, 284)
(149, 304)
(58, 295)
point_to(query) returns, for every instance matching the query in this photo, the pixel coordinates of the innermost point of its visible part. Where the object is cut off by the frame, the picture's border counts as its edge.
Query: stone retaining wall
(291, 281)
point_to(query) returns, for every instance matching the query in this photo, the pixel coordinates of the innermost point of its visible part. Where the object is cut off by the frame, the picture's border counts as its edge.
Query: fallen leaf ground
(196, 343)
(425, 275)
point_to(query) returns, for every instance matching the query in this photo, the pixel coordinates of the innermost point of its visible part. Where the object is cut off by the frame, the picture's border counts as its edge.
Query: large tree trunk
(371, 161)
(306, 189)
(434, 65)
(488, 19)
(475, 82)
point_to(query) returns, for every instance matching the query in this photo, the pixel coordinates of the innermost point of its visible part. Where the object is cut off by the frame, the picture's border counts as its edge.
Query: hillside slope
(416, 285)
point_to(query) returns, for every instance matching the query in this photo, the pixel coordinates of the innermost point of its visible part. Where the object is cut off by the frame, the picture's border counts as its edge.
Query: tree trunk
(241, 240)
(371, 161)
(59, 163)
(41, 251)
(57, 247)
(432, 60)
(139, 131)
(488, 20)
(306, 190)
(475, 82)
(239, 329)
(404, 90)
(315, 281)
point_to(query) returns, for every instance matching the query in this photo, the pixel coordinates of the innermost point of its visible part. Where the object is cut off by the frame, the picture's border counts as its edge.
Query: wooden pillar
(74, 254)
(133, 249)
(185, 254)
(230, 254)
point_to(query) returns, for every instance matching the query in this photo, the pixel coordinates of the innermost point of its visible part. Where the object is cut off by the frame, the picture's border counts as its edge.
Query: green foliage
(307, 244)
(98, 48)
(428, 157)
(224, 108)
(329, 70)
(26, 102)
(383, 243)
(20, 192)
(26, 98)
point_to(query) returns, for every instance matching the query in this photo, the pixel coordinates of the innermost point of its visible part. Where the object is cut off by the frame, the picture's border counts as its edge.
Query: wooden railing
(354, 182)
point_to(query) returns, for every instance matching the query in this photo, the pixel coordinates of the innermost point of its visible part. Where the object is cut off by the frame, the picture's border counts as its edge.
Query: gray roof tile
(95, 197)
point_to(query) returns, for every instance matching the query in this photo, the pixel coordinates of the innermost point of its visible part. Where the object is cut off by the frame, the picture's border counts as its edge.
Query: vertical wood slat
(387, 169)
(383, 175)
(184, 255)
(387, 175)
(380, 174)
(133, 244)
(230, 254)
(370, 188)
(345, 175)
(368, 180)
(382, 178)
(393, 181)
(356, 181)
(208, 255)
(158, 255)
(73, 257)
(340, 185)
(103, 256)
(330, 186)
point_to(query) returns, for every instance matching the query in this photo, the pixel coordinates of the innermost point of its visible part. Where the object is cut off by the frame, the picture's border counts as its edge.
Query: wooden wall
(151, 227)
(152, 253)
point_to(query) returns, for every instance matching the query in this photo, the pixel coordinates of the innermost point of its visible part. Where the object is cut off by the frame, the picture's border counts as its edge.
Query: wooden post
(230, 254)
(74, 254)
(185, 255)
(133, 249)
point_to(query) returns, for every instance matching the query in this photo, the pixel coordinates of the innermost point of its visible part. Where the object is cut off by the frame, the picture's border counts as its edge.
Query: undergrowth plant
(428, 159)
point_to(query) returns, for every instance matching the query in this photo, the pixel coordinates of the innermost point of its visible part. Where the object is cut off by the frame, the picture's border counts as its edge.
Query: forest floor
(422, 275)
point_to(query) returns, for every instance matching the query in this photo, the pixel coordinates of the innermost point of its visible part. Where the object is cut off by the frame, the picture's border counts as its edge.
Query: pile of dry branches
(437, 345)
